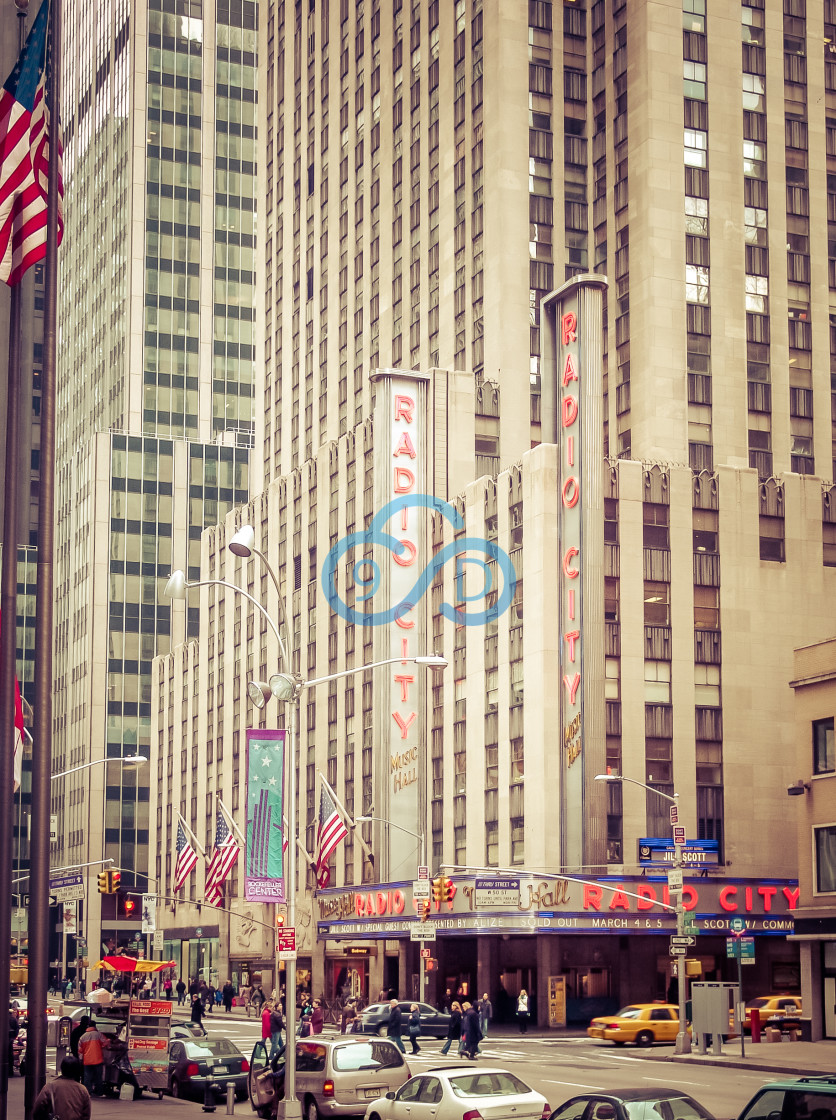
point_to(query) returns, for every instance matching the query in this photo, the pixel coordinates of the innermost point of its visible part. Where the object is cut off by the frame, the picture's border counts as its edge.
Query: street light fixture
(683, 1039)
(288, 687)
(135, 759)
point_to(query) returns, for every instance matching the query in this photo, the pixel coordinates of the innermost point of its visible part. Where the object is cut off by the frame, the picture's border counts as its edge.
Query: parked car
(641, 1023)
(194, 1063)
(334, 1076)
(632, 1104)
(780, 1007)
(802, 1096)
(453, 1092)
(375, 1019)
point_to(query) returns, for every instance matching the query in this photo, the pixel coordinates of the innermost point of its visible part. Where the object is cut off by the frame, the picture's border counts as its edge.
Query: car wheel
(176, 1088)
(311, 1111)
(381, 1030)
(644, 1038)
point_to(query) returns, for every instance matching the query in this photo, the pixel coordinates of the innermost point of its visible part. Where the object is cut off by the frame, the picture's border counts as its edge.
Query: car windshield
(367, 1055)
(375, 1009)
(488, 1085)
(761, 1002)
(209, 1048)
(683, 1108)
(629, 1013)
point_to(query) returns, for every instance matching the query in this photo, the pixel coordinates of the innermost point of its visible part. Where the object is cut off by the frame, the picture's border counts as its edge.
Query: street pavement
(558, 1064)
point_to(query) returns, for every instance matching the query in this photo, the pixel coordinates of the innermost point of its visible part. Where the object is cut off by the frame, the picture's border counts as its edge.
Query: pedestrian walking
(265, 1022)
(348, 1019)
(228, 994)
(394, 1026)
(91, 1051)
(485, 1009)
(413, 1026)
(14, 1031)
(167, 987)
(471, 1034)
(446, 1002)
(64, 1097)
(197, 1010)
(77, 1032)
(257, 998)
(180, 988)
(317, 1017)
(523, 1010)
(454, 1028)
(276, 1027)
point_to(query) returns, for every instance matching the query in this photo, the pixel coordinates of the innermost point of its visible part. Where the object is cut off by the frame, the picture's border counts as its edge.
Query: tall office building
(432, 171)
(155, 378)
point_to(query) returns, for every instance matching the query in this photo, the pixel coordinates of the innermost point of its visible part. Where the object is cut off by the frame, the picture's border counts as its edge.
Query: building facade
(156, 358)
(814, 672)
(432, 172)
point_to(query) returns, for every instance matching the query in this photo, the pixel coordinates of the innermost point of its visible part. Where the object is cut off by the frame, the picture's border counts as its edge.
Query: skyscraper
(432, 172)
(155, 380)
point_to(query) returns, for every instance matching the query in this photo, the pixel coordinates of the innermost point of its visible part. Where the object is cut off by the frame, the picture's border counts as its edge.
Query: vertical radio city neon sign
(571, 585)
(573, 413)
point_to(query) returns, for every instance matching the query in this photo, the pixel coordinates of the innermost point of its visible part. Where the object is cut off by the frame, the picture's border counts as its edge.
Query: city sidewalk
(148, 1108)
(784, 1059)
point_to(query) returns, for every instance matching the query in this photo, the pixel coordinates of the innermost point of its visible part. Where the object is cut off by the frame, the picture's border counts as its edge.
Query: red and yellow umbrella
(123, 963)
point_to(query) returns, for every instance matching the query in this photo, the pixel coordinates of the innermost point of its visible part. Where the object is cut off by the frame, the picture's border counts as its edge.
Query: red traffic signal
(130, 907)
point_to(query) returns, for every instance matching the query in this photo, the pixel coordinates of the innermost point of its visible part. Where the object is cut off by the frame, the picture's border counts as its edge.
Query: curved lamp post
(683, 1039)
(288, 687)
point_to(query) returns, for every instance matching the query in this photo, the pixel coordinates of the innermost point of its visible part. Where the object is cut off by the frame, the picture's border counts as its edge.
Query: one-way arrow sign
(682, 942)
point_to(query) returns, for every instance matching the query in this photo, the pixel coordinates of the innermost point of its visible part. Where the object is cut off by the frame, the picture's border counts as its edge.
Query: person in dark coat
(77, 1032)
(197, 1010)
(14, 1030)
(470, 1032)
(64, 1096)
(276, 1027)
(454, 1030)
(228, 994)
(395, 1024)
(413, 1025)
(180, 988)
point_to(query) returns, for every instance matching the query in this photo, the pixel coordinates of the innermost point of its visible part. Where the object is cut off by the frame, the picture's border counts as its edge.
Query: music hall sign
(628, 904)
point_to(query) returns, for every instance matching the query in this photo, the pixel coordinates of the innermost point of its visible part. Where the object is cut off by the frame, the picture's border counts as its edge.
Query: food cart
(138, 1055)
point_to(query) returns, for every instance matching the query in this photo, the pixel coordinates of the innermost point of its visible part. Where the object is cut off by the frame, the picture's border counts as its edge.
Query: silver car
(451, 1092)
(334, 1076)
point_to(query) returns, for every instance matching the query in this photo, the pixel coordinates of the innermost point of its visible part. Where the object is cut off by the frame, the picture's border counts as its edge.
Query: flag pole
(231, 822)
(44, 683)
(197, 843)
(352, 824)
(8, 641)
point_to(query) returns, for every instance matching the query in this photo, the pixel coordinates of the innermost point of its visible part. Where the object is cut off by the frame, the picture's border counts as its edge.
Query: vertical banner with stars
(264, 879)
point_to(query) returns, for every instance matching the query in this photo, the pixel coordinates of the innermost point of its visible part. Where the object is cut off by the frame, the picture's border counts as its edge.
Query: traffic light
(431, 964)
(424, 910)
(281, 919)
(130, 907)
(438, 889)
(115, 880)
(449, 890)
(103, 879)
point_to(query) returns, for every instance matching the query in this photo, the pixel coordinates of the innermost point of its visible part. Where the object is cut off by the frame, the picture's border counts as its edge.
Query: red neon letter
(791, 894)
(572, 686)
(568, 556)
(405, 560)
(570, 638)
(569, 371)
(571, 492)
(404, 447)
(592, 896)
(404, 681)
(404, 480)
(727, 898)
(619, 900)
(568, 327)
(767, 894)
(403, 408)
(403, 724)
(647, 897)
(570, 411)
(400, 611)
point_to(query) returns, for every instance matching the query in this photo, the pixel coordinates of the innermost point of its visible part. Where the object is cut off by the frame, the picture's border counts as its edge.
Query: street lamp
(683, 1039)
(136, 759)
(286, 686)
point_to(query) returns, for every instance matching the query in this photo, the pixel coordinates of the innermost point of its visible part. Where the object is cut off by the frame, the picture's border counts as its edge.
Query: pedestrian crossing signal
(431, 964)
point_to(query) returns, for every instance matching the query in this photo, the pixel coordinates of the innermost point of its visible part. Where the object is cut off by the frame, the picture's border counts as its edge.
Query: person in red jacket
(265, 1021)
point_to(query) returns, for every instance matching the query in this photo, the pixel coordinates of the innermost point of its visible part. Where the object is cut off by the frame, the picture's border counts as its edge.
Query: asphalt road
(559, 1069)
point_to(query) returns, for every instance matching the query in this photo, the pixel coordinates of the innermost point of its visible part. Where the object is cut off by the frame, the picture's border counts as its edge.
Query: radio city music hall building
(676, 623)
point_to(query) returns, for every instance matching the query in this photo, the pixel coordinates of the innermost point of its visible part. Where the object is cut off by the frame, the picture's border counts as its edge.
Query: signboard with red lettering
(400, 436)
(572, 416)
(149, 1021)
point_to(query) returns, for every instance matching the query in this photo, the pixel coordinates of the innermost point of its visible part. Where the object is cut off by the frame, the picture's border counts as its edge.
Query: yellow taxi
(779, 1007)
(641, 1023)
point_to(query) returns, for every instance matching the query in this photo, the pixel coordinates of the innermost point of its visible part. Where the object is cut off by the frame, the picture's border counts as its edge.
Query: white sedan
(453, 1093)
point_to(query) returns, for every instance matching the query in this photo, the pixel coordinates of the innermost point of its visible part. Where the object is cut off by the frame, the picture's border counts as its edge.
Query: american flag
(24, 156)
(223, 857)
(186, 858)
(331, 831)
